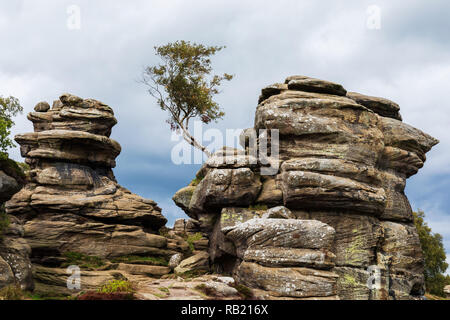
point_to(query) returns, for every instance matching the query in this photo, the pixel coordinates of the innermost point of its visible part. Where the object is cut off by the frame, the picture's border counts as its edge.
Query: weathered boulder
(383, 107)
(225, 188)
(284, 233)
(175, 260)
(51, 234)
(183, 197)
(303, 83)
(284, 256)
(8, 186)
(42, 107)
(288, 282)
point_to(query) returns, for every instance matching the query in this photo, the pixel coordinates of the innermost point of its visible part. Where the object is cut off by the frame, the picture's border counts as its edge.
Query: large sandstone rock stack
(333, 221)
(72, 203)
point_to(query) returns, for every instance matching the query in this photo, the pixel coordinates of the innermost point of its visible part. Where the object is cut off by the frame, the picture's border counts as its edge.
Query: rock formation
(333, 221)
(447, 291)
(15, 265)
(72, 203)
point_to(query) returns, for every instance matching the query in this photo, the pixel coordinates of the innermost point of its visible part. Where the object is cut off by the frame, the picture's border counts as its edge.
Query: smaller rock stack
(72, 203)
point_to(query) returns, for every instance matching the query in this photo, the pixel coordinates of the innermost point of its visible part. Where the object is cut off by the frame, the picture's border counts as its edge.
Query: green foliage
(434, 254)
(192, 238)
(183, 86)
(155, 260)
(9, 107)
(115, 286)
(83, 261)
(12, 292)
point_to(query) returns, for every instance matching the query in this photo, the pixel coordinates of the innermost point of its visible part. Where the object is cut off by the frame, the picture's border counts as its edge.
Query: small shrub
(112, 290)
(196, 181)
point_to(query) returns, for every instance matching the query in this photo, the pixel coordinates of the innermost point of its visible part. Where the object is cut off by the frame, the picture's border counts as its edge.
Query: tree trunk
(190, 139)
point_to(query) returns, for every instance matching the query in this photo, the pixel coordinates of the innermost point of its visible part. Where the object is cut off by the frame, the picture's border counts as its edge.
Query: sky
(399, 50)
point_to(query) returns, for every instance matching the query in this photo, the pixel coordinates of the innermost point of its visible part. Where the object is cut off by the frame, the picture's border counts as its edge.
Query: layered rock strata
(72, 203)
(343, 162)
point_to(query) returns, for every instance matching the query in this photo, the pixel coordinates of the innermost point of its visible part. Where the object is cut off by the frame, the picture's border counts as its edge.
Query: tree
(434, 255)
(183, 86)
(9, 107)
